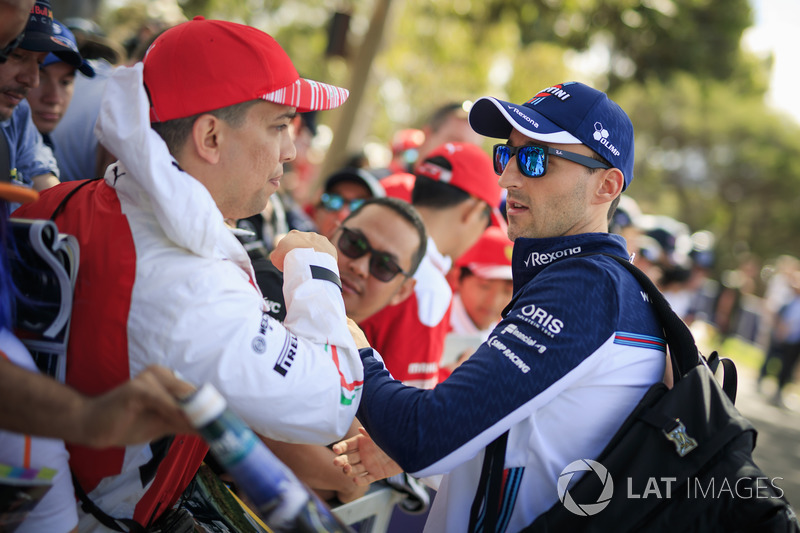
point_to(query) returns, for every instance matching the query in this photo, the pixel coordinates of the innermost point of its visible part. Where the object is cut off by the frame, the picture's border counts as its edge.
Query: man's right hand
(300, 239)
(140, 410)
(362, 459)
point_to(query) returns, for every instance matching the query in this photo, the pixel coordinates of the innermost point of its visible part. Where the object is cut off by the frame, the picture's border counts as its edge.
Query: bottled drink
(280, 499)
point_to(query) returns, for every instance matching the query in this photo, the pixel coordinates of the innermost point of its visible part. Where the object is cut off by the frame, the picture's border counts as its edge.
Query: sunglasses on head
(381, 264)
(532, 159)
(6, 51)
(335, 202)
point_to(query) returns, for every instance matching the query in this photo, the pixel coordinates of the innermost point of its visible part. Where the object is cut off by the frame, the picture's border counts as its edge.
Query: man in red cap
(483, 284)
(456, 194)
(162, 279)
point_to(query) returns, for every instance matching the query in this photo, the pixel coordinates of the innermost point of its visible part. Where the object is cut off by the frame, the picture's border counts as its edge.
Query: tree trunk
(344, 141)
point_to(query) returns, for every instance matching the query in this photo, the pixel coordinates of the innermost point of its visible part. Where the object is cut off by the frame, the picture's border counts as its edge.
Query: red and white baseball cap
(203, 65)
(490, 257)
(471, 170)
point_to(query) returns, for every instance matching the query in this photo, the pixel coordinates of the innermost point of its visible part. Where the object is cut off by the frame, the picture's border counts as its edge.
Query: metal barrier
(372, 512)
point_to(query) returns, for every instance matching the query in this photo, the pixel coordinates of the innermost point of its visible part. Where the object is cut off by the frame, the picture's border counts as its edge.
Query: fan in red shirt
(456, 194)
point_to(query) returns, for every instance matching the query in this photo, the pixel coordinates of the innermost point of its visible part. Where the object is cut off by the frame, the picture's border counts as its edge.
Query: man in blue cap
(51, 98)
(31, 163)
(576, 350)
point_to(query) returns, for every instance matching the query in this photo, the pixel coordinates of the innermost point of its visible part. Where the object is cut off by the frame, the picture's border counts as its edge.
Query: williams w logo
(588, 466)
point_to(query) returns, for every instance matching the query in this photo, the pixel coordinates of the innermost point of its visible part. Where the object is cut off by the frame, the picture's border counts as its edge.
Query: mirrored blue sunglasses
(532, 158)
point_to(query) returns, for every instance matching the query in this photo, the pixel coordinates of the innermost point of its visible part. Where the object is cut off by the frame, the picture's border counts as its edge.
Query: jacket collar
(531, 256)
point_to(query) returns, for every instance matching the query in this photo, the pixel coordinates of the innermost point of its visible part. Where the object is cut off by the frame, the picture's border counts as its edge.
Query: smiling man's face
(385, 231)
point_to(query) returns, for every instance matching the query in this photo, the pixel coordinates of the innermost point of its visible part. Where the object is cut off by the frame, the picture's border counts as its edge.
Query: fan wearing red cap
(456, 194)
(189, 72)
(201, 130)
(483, 287)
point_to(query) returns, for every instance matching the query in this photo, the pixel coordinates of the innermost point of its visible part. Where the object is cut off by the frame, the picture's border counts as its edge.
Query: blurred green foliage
(709, 150)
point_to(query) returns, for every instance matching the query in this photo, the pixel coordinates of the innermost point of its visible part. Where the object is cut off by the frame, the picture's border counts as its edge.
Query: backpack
(681, 461)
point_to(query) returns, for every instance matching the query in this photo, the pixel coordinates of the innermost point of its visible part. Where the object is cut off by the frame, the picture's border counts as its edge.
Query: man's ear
(404, 292)
(206, 137)
(611, 183)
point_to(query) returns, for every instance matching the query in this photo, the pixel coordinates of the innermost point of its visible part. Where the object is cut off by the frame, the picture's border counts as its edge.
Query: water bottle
(280, 499)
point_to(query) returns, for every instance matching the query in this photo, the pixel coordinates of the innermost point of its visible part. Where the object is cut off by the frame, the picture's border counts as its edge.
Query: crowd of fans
(420, 243)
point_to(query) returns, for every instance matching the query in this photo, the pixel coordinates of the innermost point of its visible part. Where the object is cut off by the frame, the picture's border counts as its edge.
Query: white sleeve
(314, 307)
(215, 328)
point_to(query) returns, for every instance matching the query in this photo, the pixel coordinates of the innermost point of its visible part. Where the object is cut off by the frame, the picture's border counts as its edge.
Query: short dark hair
(612, 209)
(407, 212)
(176, 131)
(464, 272)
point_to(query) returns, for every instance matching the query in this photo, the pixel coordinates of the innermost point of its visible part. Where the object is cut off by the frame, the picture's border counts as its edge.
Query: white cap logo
(599, 132)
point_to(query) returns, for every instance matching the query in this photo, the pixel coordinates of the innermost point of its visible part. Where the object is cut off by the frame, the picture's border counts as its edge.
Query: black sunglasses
(532, 158)
(381, 264)
(6, 51)
(336, 202)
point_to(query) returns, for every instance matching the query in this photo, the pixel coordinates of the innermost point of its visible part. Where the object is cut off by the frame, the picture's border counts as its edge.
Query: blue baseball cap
(567, 113)
(40, 36)
(64, 36)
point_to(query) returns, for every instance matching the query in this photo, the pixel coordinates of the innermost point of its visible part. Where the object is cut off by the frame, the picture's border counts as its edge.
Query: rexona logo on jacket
(545, 258)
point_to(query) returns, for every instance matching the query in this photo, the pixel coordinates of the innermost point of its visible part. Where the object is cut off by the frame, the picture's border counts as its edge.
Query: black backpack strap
(683, 349)
(126, 525)
(60, 207)
(730, 378)
(488, 493)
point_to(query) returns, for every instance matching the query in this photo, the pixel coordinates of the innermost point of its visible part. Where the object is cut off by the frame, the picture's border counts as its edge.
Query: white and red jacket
(163, 280)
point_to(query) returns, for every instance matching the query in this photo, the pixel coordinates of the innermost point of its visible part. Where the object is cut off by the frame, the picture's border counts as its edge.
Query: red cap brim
(308, 95)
